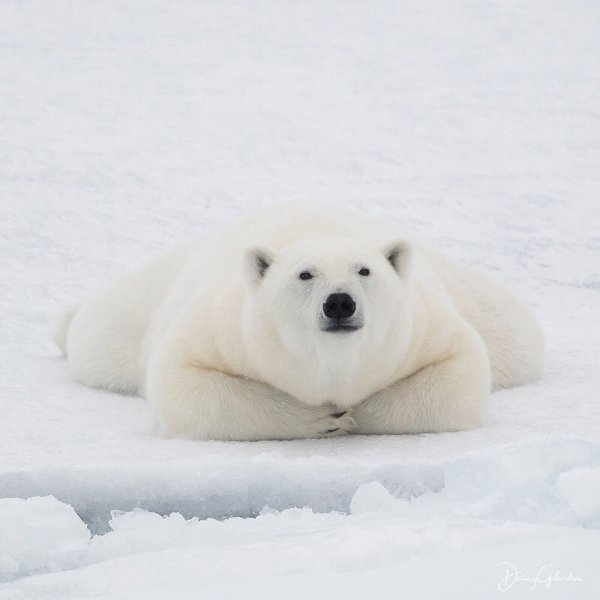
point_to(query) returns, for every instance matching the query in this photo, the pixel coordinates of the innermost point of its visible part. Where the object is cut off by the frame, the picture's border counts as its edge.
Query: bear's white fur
(228, 342)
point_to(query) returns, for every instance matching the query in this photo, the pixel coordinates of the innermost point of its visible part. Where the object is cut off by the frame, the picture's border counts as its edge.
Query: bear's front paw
(334, 422)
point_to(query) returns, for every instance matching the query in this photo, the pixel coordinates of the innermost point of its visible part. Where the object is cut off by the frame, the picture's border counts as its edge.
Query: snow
(128, 127)
(580, 489)
(492, 507)
(38, 534)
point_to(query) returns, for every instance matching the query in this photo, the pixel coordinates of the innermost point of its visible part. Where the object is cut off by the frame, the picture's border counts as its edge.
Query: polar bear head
(327, 315)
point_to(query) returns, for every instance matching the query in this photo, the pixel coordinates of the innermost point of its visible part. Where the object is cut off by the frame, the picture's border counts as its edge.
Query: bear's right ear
(257, 261)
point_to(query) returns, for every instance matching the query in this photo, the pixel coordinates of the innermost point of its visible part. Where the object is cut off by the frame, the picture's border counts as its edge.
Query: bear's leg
(205, 404)
(446, 396)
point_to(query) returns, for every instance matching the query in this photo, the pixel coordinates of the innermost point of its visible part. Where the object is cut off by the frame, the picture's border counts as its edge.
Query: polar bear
(303, 322)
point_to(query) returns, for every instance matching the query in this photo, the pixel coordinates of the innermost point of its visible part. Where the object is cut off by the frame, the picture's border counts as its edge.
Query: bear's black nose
(339, 306)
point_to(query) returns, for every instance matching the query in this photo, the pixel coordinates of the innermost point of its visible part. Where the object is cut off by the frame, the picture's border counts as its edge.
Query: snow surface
(127, 127)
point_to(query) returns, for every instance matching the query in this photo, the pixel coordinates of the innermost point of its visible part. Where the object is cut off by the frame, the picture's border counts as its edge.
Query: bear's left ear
(257, 261)
(400, 255)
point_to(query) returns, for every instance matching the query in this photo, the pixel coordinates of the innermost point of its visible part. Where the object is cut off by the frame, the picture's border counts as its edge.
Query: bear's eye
(305, 275)
(364, 272)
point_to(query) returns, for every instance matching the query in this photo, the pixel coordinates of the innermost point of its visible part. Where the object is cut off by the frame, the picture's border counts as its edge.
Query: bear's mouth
(341, 328)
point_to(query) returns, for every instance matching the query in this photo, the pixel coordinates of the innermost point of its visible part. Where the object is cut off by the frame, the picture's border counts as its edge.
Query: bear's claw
(336, 423)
